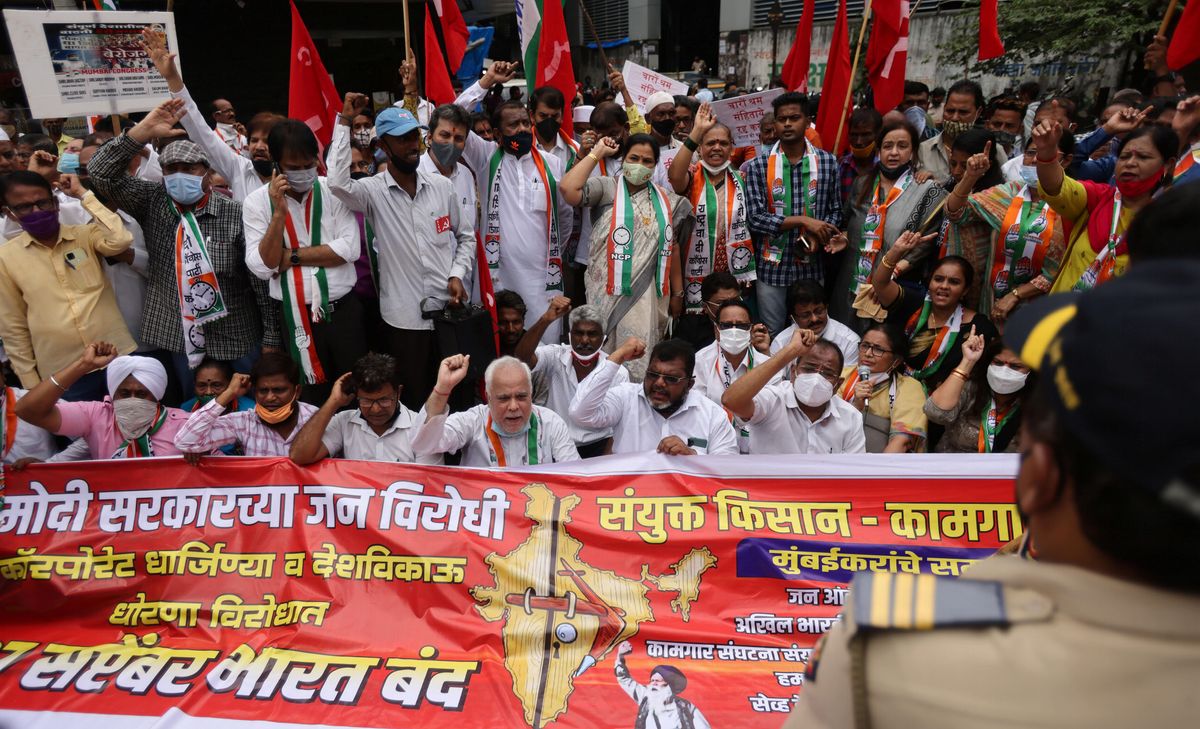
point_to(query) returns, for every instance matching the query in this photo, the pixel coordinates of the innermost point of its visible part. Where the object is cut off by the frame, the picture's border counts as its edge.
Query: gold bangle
(886, 264)
(960, 374)
(594, 157)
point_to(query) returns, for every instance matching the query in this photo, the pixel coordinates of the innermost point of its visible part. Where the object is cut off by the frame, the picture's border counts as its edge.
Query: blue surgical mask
(1029, 175)
(68, 162)
(184, 187)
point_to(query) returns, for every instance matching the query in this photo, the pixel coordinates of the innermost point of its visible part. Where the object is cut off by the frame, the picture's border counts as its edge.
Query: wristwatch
(295, 258)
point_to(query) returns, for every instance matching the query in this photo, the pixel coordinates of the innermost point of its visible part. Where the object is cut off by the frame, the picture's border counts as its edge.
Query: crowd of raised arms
(203, 284)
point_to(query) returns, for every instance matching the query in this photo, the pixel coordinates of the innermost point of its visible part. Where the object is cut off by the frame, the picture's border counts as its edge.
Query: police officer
(1102, 628)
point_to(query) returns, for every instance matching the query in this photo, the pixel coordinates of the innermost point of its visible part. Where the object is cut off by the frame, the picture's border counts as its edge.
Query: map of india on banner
(378, 595)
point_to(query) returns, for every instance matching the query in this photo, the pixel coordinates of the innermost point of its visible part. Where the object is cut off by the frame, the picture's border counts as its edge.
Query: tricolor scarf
(141, 447)
(739, 251)
(496, 449)
(296, 317)
(1101, 268)
(200, 300)
(621, 245)
(491, 237)
(872, 229)
(1021, 246)
(942, 343)
(368, 234)
(572, 149)
(781, 199)
(992, 422)
(9, 424)
(852, 382)
(1187, 161)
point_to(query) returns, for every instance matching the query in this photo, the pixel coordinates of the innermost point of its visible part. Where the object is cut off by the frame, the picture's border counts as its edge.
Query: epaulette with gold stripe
(901, 601)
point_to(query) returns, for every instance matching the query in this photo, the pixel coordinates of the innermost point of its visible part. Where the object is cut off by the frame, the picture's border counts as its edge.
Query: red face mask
(1137, 188)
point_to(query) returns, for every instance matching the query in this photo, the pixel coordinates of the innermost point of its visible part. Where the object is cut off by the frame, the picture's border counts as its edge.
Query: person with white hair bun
(131, 422)
(508, 431)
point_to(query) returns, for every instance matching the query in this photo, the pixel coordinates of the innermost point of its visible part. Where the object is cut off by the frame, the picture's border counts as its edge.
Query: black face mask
(893, 173)
(264, 167)
(548, 128)
(359, 175)
(518, 144)
(663, 127)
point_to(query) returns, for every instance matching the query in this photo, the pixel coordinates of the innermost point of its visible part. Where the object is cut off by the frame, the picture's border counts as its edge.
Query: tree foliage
(1054, 30)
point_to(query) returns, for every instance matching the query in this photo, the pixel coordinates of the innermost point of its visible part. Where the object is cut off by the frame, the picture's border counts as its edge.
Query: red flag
(445, 30)
(554, 58)
(795, 66)
(312, 97)
(834, 110)
(887, 53)
(1185, 41)
(990, 45)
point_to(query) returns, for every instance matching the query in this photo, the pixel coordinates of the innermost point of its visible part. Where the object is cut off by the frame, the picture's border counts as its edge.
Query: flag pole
(862, 31)
(1162, 27)
(592, 28)
(407, 45)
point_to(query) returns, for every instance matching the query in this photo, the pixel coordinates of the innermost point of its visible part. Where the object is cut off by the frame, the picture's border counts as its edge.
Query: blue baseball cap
(396, 122)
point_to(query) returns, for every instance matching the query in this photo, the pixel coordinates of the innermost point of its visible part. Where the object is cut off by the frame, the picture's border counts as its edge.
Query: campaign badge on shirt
(442, 224)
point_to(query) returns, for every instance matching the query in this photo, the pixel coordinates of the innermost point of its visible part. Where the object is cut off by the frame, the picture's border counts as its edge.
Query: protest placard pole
(595, 36)
(1162, 27)
(407, 45)
(862, 31)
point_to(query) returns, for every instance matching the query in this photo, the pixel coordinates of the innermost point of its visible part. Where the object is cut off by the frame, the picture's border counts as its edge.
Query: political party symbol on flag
(312, 97)
(446, 38)
(887, 53)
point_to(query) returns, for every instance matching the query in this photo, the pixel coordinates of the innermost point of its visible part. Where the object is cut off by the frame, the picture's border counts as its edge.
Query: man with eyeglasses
(731, 356)
(801, 415)
(508, 431)
(54, 298)
(697, 328)
(663, 413)
(380, 429)
(809, 309)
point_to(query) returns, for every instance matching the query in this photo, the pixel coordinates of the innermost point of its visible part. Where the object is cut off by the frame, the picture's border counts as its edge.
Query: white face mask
(1005, 380)
(227, 129)
(134, 415)
(301, 180)
(714, 170)
(1029, 175)
(812, 389)
(734, 341)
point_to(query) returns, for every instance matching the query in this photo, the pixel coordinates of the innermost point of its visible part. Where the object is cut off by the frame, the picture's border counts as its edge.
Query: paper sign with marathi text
(642, 82)
(743, 113)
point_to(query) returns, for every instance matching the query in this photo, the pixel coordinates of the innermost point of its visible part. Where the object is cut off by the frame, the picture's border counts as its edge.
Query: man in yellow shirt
(54, 130)
(54, 296)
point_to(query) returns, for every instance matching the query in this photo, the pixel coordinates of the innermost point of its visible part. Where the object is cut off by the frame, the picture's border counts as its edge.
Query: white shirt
(466, 192)
(30, 441)
(236, 141)
(555, 366)
(129, 280)
(666, 155)
(522, 218)
(638, 427)
(780, 426)
(422, 241)
(236, 169)
(466, 430)
(339, 231)
(350, 436)
(842, 336)
(714, 375)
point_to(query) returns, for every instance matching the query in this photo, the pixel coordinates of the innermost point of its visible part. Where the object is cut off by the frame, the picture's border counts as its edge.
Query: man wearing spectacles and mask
(809, 308)
(731, 356)
(663, 413)
(379, 429)
(800, 416)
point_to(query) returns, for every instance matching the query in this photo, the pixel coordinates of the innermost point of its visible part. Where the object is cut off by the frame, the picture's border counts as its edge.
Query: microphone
(864, 374)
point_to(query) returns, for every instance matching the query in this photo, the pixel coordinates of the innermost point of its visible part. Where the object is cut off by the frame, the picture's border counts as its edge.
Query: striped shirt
(206, 430)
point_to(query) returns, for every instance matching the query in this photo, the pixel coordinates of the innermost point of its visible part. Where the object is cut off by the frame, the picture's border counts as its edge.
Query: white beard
(660, 697)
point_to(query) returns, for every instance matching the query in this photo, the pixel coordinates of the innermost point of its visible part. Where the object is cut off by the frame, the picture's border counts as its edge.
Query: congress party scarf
(1101, 268)
(872, 229)
(140, 447)
(992, 422)
(1021, 246)
(779, 190)
(491, 237)
(739, 251)
(9, 424)
(572, 149)
(496, 449)
(200, 300)
(1187, 160)
(621, 240)
(942, 343)
(296, 317)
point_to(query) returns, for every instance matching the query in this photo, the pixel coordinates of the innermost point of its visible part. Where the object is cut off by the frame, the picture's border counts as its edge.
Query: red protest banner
(368, 594)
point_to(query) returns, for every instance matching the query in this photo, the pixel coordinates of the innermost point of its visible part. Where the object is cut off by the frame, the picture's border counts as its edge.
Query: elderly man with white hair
(559, 368)
(131, 422)
(509, 431)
